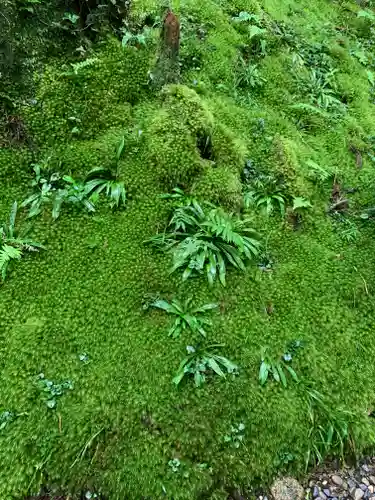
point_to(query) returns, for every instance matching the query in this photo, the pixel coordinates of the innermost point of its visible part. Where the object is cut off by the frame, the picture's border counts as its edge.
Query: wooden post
(167, 68)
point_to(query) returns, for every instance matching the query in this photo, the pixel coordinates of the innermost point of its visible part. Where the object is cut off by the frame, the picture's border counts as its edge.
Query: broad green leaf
(371, 78)
(263, 372)
(292, 372)
(215, 367)
(255, 31)
(282, 375)
(120, 148)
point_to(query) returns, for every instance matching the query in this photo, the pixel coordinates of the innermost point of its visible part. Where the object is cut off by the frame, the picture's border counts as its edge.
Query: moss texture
(115, 432)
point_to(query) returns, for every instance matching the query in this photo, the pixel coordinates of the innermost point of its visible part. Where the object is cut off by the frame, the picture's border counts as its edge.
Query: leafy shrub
(201, 361)
(13, 243)
(187, 317)
(204, 240)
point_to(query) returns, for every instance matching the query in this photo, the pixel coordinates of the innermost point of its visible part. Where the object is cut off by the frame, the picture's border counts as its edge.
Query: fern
(205, 239)
(13, 244)
(79, 66)
(7, 255)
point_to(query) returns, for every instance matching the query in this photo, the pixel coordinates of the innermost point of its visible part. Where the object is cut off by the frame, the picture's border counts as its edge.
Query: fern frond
(7, 254)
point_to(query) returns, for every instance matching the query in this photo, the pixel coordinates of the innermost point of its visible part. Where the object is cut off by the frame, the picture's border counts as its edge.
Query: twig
(87, 445)
(5, 17)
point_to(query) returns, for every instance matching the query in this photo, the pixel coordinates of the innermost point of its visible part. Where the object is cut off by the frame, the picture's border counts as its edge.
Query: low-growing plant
(204, 239)
(236, 435)
(201, 361)
(174, 464)
(46, 186)
(51, 390)
(103, 179)
(136, 40)
(318, 173)
(7, 417)
(321, 89)
(74, 193)
(57, 191)
(267, 195)
(248, 75)
(301, 205)
(331, 430)
(13, 243)
(187, 316)
(274, 368)
(347, 229)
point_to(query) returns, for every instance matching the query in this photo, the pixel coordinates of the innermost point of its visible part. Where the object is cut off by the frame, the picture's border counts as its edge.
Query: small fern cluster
(203, 239)
(13, 244)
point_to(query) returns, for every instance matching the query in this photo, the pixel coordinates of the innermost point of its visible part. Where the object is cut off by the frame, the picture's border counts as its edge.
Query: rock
(325, 482)
(327, 492)
(358, 494)
(337, 480)
(351, 483)
(363, 487)
(365, 481)
(372, 479)
(371, 488)
(316, 492)
(322, 496)
(287, 488)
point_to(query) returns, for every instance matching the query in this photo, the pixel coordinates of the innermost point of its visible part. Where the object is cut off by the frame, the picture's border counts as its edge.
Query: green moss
(219, 185)
(86, 293)
(99, 96)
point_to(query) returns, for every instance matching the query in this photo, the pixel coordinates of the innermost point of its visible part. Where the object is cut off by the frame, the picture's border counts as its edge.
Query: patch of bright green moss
(116, 431)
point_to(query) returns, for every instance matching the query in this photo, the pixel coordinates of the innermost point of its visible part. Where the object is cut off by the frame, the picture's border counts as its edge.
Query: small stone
(365, 468)
(325, 482)
(316, 492)
(365, 481)
(372, 479)
(371, 488)
(351, 483)
(327, 492)
(287, 488)
(358, 494)
(323, 496)
(337, 480)
(363, 487)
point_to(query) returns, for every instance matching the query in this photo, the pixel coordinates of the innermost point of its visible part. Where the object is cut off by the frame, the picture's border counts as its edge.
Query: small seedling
(174, 464)
(292, 349)
(283, 459)
(7, 417)
(236, 435)
(51, 391)
(84, 358)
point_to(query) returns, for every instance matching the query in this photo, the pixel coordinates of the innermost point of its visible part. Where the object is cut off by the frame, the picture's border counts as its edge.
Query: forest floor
(271, 117)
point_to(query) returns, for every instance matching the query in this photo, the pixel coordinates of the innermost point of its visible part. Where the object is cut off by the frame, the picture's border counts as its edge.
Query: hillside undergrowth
(271, 128)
